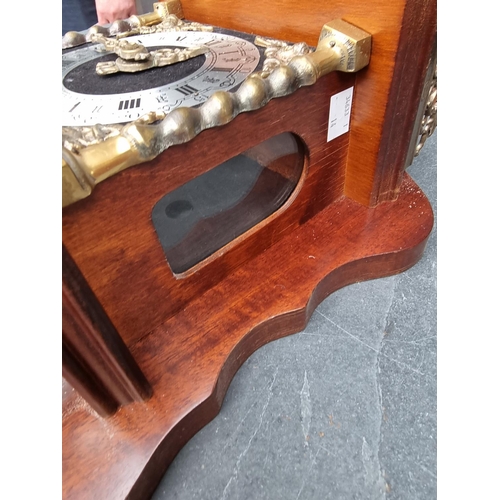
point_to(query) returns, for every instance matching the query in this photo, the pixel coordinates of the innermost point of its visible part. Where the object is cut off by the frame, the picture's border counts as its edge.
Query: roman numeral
(73, 108)
(212, 42)
(187, 90)
(129, 104)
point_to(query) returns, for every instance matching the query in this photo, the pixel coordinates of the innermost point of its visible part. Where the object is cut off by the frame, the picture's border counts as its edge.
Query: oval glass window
(205, 214)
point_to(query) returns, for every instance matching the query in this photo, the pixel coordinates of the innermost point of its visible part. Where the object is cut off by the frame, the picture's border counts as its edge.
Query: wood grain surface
(355, 215)
(387, 95)
(191, 358)
(111, 237)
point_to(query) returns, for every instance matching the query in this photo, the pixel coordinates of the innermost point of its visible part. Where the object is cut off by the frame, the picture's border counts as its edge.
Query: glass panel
(200, 217)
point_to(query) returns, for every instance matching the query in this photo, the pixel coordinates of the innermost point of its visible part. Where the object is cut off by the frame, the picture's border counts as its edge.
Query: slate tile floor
(345, 409)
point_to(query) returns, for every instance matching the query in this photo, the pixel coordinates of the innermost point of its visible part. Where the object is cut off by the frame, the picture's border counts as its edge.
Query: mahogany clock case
(186, 334)
(323, 411)
(125, 265)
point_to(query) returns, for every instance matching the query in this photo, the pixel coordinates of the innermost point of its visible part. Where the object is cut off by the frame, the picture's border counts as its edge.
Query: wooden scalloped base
(191, 359)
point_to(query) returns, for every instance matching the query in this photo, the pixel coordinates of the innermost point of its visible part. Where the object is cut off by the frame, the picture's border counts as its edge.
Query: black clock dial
(84, 80)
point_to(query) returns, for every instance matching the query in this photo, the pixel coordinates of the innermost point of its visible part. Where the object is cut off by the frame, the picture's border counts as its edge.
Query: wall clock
(197, 232)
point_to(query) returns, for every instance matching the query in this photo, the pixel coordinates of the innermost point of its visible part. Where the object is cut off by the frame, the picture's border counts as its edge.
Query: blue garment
(78, 15)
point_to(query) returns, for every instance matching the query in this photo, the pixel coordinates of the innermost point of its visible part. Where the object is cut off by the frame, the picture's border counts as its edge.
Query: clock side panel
(111, 237)
(387, 94)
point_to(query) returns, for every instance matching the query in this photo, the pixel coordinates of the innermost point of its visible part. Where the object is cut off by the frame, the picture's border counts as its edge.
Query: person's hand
(111, 10)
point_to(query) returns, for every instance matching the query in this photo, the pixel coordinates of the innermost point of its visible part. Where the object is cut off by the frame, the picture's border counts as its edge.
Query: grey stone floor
(345, 409)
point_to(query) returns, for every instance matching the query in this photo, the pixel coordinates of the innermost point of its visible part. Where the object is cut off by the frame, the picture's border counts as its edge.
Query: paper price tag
(340, 114)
